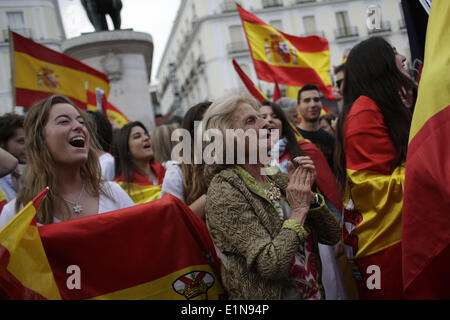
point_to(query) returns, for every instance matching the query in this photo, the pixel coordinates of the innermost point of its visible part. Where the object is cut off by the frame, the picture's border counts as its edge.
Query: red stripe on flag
(127, 247)
(389, 262)
(25, 98)
(292, 77)
(40, 52)
(10, 287)
(427, 178)
(248, 83)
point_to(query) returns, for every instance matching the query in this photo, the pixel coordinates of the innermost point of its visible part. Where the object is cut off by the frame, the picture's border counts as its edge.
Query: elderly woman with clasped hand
(265, 228)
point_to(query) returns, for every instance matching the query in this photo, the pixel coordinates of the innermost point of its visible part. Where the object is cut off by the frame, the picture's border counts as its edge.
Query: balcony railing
(347, 32)
(237, 46)
(24, 32)
(229, 5)
(272, 3)
(303, 1)
(314, 33)
(385, 26)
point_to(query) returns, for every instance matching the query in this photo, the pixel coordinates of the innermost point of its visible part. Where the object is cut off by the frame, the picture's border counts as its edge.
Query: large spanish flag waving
(426, 211)
(286, 59)
(158, 250)
(40, 72)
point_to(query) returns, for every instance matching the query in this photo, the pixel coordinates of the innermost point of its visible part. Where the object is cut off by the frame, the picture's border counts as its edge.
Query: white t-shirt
(107, 166)
(120, 200)
(173, 181)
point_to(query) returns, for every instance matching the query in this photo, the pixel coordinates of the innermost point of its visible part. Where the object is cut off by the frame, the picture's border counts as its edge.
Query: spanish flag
(40, 72)
(426, 210)
(114, 115)
(258, 95)
(373, 203)
(159, 250)
(141, 190)
(25, 272)
(290, 60)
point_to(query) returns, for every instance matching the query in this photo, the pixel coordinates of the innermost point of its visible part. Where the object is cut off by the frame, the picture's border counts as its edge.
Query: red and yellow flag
(426, 211)
(41, 72)
(25, 272)
(252, 89)
(290, 60)
(114, 115)
(141, 190)
(159, 250)
(373, 200)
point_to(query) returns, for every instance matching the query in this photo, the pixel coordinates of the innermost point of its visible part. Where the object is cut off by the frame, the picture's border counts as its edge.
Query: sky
(155, 17)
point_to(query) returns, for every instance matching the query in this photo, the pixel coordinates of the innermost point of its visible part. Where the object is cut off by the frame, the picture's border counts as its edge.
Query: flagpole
(13, 69)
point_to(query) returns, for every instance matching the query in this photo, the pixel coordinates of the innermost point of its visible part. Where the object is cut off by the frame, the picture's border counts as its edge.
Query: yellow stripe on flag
(436, 97)
(381, 225)
(118, 119)
(141, 194)
(66, 81)
(28, 262)
(259, 35)
(162, 288)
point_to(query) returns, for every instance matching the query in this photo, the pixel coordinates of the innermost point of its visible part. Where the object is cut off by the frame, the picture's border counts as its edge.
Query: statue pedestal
(126, 57)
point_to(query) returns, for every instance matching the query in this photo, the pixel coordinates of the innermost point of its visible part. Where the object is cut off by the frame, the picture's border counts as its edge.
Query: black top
(323, 140)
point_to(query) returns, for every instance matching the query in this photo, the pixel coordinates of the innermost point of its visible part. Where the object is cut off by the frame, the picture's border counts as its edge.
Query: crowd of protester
(278, 235)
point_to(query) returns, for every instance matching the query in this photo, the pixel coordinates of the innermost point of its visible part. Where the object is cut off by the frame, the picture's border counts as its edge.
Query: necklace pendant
(77, 209)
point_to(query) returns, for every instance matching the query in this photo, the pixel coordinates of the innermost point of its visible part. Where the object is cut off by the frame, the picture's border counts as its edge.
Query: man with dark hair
(309, 105)
(339, 85)
(12, 139)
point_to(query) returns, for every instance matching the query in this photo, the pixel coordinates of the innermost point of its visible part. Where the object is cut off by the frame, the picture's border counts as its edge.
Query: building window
(237, 43)
(344, 29)
(309, 24)
(16, 22)
(277, 24)
(271, 3)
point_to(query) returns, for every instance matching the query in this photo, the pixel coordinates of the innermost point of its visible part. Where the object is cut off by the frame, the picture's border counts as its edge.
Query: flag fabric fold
(290, 60)
(41, 72)
(158, 250)
(252, 89)
(426, 216)
(114, 115)
(372, 201)
(25, 272)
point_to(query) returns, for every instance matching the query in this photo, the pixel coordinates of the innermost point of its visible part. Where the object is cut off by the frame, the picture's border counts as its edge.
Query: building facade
(39, 20)
(208, 34)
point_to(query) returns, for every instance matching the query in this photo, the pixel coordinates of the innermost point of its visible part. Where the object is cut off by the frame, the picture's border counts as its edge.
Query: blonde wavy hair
(161, 142)
(39, 172)
(220, 116)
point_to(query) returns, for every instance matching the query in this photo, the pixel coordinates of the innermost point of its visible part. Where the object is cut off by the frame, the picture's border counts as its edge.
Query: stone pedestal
(126, 57)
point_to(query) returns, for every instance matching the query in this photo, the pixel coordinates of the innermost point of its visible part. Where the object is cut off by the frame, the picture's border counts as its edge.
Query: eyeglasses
(339, 82)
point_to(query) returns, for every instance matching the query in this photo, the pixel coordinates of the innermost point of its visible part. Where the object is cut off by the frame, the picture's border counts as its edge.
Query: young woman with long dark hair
(372, 141)
(137, 173)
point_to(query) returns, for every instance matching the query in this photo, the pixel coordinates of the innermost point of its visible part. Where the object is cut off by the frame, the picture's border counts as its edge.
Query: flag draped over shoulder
(41, 72)
(25, 272)
(287, 59)
(158, 250)
(141, 190)
(373, 200)
(426, 210)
